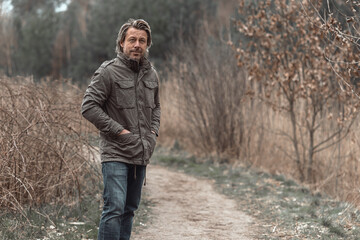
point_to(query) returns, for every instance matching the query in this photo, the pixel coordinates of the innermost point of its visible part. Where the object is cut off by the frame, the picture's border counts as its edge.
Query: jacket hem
(133, 161)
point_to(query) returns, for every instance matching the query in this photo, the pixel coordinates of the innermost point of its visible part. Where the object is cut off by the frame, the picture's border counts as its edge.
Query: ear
(121, 44)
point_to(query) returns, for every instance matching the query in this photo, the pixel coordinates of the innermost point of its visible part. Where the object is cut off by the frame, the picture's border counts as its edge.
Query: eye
(142, 40)
(131, 40)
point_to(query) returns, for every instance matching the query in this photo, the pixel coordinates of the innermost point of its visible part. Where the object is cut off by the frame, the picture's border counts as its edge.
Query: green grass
(284, 209)
(79, 221)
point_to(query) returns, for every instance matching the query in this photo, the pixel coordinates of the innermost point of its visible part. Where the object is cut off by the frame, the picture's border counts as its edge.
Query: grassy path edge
(284, 209)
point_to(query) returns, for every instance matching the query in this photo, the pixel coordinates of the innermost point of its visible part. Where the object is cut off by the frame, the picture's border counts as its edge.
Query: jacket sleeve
(156, 112)
(94, 99)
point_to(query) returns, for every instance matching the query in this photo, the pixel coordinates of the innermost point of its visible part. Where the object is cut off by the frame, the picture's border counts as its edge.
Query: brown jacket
(124, 95)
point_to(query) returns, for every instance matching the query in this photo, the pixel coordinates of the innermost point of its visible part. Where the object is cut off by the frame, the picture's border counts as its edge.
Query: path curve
(189, 208)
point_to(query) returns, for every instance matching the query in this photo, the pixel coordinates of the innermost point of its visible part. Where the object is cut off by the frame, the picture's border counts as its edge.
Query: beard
(143, 54)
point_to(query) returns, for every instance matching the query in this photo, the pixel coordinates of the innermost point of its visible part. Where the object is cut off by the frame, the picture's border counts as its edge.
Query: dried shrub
(44, 155)
(208, 90)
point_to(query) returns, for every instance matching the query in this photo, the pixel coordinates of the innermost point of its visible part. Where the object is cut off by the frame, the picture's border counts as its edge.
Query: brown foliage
(284, 52)
(43, 154)
(339, 21)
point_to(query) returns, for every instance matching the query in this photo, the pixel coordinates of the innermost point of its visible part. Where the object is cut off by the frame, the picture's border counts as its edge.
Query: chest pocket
(125, 93)
(150, 88)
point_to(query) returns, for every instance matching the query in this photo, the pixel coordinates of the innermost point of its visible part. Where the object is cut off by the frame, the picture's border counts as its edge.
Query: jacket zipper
(138, 116)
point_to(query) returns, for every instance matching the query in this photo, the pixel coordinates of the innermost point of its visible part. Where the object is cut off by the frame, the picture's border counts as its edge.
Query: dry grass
(259, 137)
(171, 127)
(336, 169)
(42, 144)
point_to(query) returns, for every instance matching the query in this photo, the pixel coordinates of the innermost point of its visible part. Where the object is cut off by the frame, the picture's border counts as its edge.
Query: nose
(137, 44)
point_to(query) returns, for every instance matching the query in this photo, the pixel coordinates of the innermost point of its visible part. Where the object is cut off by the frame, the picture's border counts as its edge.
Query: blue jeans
(122, 192)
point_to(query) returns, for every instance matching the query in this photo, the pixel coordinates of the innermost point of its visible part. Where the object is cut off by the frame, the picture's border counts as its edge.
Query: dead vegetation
(212, 107)
(43, 144)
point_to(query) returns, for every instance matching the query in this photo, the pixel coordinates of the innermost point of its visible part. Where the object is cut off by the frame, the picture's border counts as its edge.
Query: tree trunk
(295, 140)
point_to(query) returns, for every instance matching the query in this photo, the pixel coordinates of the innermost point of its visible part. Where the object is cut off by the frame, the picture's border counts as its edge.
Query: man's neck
(133, 64)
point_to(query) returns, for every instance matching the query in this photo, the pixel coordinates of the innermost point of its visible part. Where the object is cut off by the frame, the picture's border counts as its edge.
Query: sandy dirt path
(189, 208)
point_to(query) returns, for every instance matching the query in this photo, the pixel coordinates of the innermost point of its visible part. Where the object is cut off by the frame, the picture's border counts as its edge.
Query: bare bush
(210, 93)
(43, 152)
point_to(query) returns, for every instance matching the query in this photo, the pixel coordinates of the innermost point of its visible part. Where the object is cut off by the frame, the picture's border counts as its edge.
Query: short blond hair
(135, 23)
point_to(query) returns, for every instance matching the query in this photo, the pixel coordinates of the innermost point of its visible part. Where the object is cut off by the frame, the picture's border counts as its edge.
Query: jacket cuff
(156, 132)
(116, 129)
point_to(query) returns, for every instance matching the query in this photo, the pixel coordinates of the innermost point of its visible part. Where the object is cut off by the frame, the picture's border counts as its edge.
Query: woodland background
(270, 84)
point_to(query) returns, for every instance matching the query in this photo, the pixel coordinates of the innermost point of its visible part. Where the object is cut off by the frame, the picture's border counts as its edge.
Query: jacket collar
(136, 66)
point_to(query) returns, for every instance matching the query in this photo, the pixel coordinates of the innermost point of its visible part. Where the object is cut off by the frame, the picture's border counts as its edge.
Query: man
(122, 101)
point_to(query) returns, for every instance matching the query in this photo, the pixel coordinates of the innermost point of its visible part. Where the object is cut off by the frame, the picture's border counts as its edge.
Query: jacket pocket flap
(150, 84)
(125, 83)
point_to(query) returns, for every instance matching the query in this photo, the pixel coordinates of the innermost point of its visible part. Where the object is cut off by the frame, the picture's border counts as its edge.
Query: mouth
(136, 53)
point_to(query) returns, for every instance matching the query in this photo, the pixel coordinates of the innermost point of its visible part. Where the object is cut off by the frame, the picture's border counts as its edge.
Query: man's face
(135, 43)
